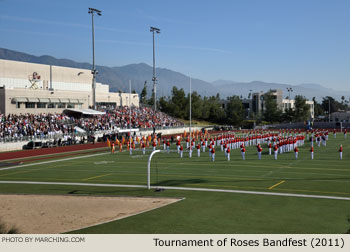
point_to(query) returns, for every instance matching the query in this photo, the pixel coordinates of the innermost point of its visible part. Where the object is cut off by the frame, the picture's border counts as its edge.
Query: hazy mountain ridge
(118, 79)
(307, 90)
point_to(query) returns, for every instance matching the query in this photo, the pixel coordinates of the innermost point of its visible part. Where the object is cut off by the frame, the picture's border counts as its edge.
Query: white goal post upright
(149, 169)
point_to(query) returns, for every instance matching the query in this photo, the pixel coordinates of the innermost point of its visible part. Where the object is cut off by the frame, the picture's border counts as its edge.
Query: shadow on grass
(177, 182)
(98, 192)
(7, 229)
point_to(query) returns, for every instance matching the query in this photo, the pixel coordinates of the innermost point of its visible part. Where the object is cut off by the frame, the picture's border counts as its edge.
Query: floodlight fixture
(93, 10)
(154, 29)
(289, 90)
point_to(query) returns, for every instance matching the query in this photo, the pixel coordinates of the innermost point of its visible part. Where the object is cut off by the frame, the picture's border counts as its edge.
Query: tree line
(231, 111)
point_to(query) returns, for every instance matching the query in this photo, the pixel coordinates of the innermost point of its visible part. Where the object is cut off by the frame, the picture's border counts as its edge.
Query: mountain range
(118, 79)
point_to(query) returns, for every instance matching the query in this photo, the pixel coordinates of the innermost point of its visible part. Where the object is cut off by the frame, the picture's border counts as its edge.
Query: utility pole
(329, 109)
(190, 110)
(130, 114)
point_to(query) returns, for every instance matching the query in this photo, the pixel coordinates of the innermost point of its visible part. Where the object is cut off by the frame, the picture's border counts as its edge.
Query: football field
(237, 196)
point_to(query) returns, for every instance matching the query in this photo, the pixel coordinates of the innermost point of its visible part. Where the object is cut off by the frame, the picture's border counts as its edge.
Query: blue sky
(282, 41)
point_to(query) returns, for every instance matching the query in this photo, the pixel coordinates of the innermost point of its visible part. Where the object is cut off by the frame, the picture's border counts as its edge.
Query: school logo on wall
(34, 80)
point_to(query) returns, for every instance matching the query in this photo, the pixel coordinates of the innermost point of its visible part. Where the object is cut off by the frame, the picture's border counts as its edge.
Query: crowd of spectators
(34, 125)
(43, 125)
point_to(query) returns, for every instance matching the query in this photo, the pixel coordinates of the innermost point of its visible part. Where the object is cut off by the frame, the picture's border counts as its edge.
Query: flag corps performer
(112, 148)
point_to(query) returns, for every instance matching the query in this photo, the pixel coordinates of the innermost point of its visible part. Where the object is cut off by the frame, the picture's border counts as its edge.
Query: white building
(290, 104)
(38, 88)
(341, 116)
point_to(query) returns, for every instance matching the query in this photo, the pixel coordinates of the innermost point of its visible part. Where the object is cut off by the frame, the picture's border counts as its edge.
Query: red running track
(47, 151)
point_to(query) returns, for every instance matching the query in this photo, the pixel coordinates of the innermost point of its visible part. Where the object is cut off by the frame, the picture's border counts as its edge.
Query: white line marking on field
(182, 188)
(75, 184)
(103, 162)
(52, 161)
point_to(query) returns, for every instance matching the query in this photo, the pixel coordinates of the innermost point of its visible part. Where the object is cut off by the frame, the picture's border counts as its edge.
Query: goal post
(149, 169)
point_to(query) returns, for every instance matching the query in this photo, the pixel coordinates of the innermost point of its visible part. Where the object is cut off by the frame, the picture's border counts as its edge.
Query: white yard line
(74, 184)
(52, 161)
(182, 188)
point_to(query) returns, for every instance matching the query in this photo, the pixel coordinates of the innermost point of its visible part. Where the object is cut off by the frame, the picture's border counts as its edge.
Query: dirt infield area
(53, 214)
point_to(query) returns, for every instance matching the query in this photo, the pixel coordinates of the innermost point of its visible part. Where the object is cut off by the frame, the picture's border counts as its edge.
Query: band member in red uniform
(143, 146)
(198, 150)
(228, 153)
(212, 154)
(178, 142)
(296, 150)
(275, 151)
(168, 146)
(259, 151)
(341, 152)
(243, 151)
(181, 151)
(312, 152)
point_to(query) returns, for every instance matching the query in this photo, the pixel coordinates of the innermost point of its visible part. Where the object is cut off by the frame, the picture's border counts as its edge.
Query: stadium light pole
(329, 109)
(94, 72)
(130, 113)
(257, 99)
(190, 111)
(154, 79)
(289, 90)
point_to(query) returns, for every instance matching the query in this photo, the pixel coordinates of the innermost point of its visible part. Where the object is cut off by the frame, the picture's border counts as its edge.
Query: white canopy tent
(82, 112)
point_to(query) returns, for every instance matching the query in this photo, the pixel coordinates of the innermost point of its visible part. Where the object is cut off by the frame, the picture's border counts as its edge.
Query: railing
(48, 137)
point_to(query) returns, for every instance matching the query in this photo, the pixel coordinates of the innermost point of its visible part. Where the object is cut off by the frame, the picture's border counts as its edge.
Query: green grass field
(210, 212)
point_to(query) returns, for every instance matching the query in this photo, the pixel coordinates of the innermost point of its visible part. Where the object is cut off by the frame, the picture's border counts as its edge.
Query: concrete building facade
(258, 100)
(38, 88)
(255, 106)
(290, 104)
(342, 116)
